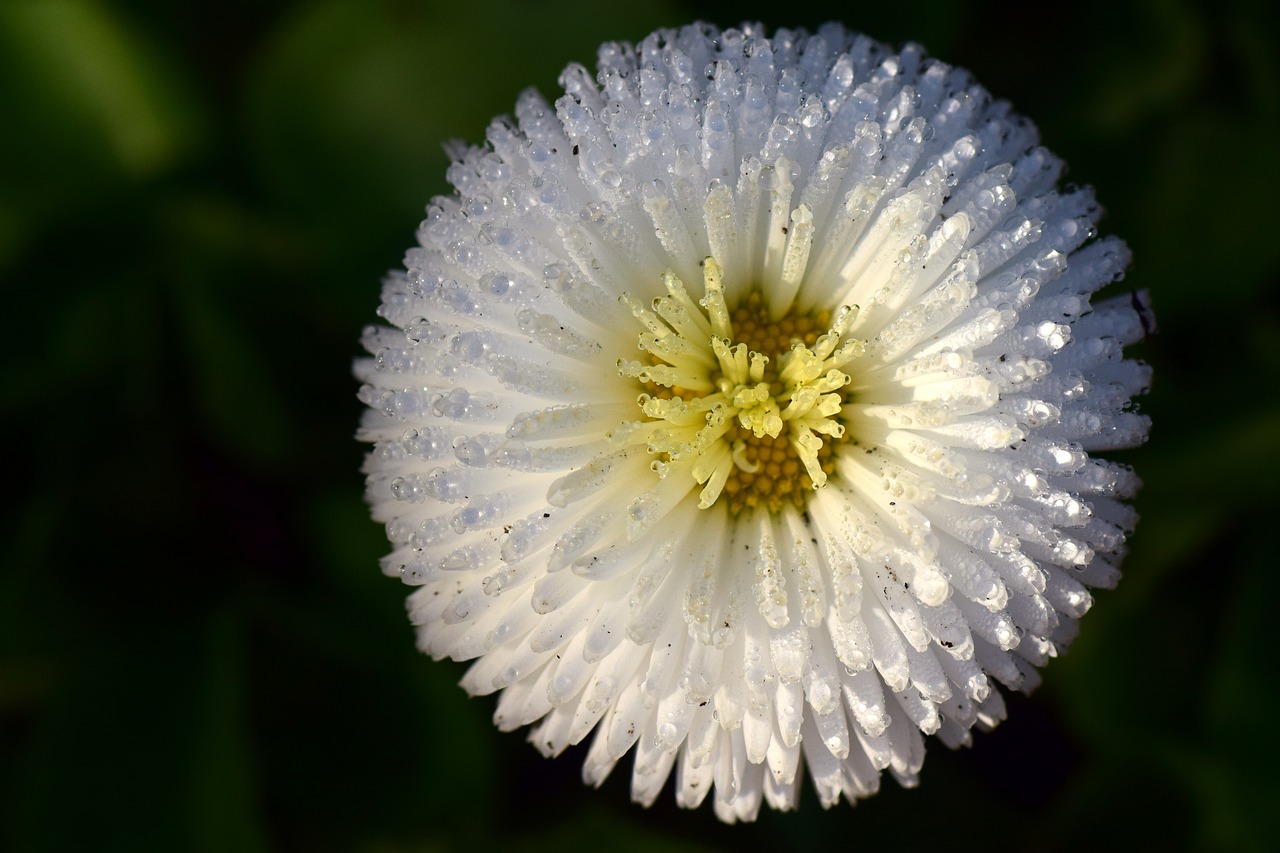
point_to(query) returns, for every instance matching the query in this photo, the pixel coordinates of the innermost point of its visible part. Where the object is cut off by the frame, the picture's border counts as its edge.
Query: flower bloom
(739, 409)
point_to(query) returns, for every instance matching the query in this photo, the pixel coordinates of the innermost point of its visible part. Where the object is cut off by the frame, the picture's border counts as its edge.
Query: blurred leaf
(222, 810)
(106, 766)
(1235, 772)
(1153, 74)
(91, 103)
(352, 104)
(1197, 197)
(1261, 65)
(347, 542)
(233, 380)
(362, 737)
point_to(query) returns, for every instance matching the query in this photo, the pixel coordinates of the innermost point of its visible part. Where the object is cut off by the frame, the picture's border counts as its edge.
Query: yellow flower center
(748, 406)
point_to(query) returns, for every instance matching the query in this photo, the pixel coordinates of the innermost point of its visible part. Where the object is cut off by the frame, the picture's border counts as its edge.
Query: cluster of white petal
(555, 539)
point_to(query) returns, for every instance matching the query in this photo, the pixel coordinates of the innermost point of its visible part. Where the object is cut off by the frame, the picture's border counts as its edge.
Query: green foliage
(196, 647)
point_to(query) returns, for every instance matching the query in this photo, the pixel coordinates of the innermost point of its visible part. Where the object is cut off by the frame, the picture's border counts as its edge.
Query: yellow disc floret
(749, 406)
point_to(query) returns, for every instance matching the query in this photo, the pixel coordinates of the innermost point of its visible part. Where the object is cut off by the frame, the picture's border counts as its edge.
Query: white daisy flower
(739, 410)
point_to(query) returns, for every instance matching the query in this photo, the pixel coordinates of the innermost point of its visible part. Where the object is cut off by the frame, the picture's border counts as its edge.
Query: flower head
(739, 409)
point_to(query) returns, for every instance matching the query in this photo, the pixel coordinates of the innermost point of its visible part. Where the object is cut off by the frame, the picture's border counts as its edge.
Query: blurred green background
(197, 651)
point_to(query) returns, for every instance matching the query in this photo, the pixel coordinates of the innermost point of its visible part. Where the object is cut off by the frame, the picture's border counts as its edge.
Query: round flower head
(739, 410)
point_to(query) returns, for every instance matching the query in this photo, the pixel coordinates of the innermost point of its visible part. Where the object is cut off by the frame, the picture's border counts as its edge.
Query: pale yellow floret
(751, 405)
